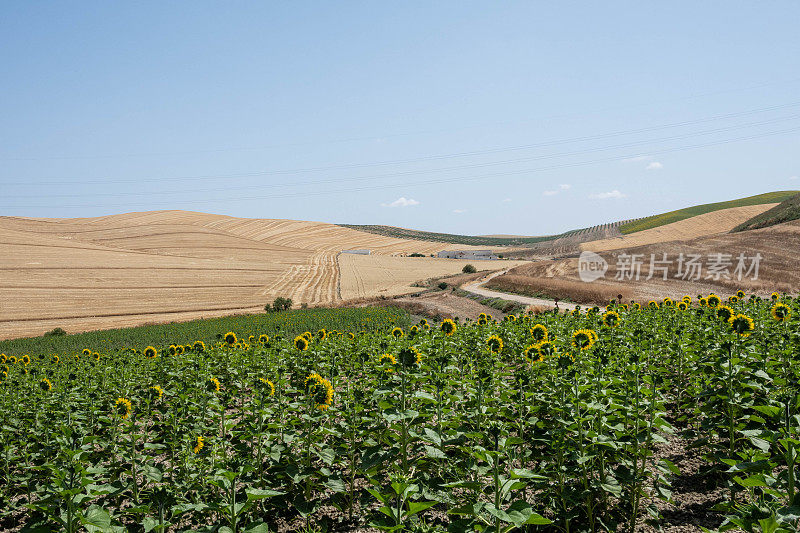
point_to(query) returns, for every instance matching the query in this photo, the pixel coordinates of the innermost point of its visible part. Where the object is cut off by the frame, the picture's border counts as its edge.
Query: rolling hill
(784, 212)
(136, 268)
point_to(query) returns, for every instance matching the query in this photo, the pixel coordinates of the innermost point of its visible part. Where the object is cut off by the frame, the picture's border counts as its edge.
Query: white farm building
(467, 254)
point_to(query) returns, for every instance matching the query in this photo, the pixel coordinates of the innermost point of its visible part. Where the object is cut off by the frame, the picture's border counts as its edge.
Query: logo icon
(591, 266)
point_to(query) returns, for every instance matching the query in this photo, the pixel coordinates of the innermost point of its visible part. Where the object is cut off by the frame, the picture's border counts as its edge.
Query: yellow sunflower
(123, 407)
(266, 386)
(583, 339)
(448, 327)
(539, 332)
(200, 442)
(388, 361)
(495, 344)
(319, 390)
(229, 338)
(781, 312)
(212, 385)
(301, 343)
(611, 319)
(742, 324)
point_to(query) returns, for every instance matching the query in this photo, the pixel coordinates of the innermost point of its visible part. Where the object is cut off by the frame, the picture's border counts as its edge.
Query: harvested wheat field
(159, 266)
(777, 269)
(364, 275)
(713, 223)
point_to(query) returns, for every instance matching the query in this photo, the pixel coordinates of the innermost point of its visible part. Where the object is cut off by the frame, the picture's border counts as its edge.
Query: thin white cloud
(655, 165)
(459, 211)
(506, 200)
(550, 193)
(792, 178)
(565, 186)
(636, 159)
(615, 194)
(402, 202)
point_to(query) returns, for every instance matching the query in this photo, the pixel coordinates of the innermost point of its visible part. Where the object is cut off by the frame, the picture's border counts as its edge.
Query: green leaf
(96, 516)
(416, 507)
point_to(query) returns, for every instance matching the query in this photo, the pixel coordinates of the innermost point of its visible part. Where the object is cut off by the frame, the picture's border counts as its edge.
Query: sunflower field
(549, 422)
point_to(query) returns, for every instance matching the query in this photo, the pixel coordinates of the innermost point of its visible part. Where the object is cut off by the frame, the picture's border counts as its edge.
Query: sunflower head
(397, 332)
(781, 312)
(702, 301)
(263, 339)
(301, 343)
(713, 301)
(12, 360)
(775, 296)
(725, 313)
(668, 302)
(199, 346)
(482, 321)
(448, 327)
(212, 385)
(742, 324)
(583, 339)
(409, 357)
(733, 299)
(319, 390)
(150, 352)
(423, 323)
(687, 299)
(539, 332)
(636, 305)
(495, 344)
(44, 384)
(179, 349)
(413, 330)
(86, 351)
(123, 407)
(156, 392)
(172, 350)
(545, 349)
(54, 359)
(322, 334)
(199, 443)
(683, 306)
(251, 339)
(388, 362)
(229, 338)
(652, 304)
(26, 359)
(611, 319)
(266, 386)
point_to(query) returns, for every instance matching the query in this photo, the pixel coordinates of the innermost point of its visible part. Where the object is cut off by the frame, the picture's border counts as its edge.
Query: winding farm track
(476, 287)
(160, 266)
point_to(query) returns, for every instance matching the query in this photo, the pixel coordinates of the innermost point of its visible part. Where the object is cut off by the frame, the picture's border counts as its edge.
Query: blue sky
(467, 117)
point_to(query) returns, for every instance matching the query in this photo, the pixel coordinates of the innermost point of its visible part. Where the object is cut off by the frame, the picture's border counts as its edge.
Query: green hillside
(688, 212)
(403, 233)
(783, 212)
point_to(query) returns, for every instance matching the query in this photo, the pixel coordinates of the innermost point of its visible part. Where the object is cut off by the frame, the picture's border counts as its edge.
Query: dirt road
(476, 287)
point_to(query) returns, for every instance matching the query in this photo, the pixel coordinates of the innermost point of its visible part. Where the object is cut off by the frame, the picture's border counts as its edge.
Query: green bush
(469, 269)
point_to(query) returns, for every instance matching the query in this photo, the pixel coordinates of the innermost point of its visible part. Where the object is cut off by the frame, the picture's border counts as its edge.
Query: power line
(429, 181)
(406, 134)
(89, 181)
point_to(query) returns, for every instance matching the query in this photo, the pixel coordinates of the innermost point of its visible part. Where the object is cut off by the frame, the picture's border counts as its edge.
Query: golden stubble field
(138, 268)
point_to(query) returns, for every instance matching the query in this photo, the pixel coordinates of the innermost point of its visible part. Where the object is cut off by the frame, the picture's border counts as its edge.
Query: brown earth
(779, 247)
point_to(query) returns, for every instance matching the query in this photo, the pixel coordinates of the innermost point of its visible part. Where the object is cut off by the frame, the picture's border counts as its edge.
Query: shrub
(469, 269)
(280, 304)
(55, 332)
(442, 285)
